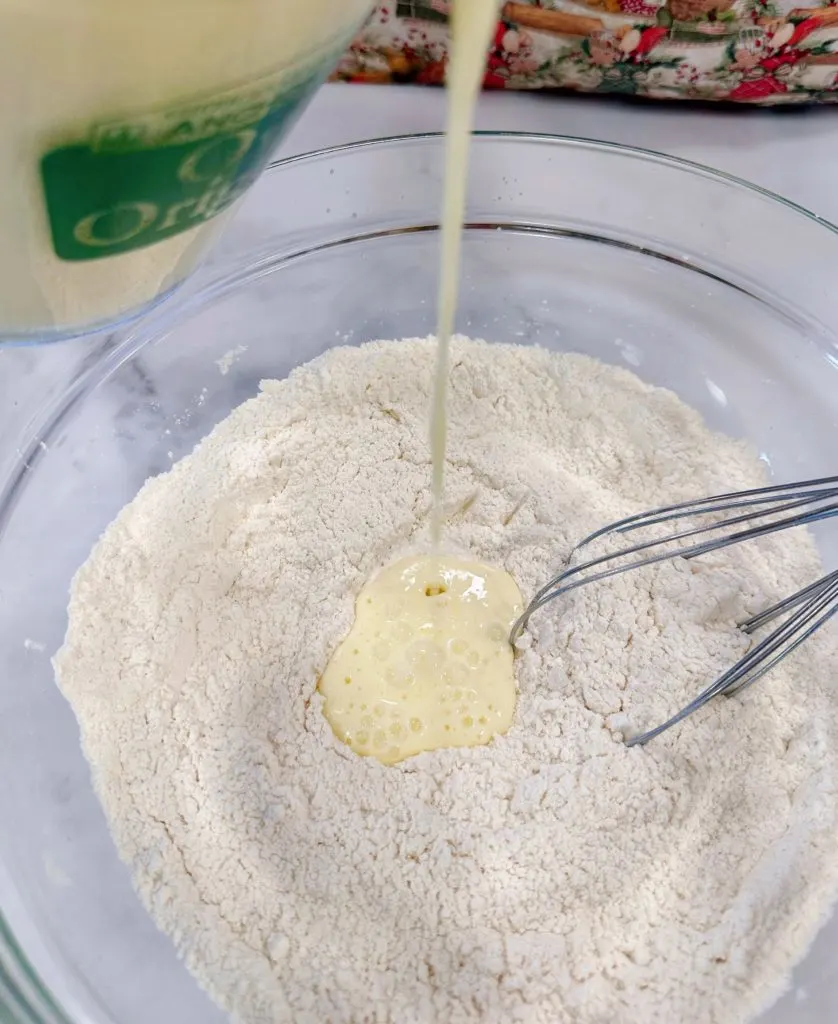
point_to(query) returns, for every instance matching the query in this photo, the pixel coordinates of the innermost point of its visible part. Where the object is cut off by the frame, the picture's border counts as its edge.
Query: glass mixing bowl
(696, 281)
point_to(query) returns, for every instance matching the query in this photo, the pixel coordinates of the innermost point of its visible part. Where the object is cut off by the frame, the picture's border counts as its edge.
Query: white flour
(553, 876)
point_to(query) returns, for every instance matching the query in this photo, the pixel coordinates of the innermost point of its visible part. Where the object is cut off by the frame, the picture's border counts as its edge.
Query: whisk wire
(813, 491)
(812, 590)
(768, 508)
(823, 488)
(784, 639)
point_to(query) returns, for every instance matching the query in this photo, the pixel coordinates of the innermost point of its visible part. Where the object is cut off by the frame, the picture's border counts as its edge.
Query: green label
(140, 181)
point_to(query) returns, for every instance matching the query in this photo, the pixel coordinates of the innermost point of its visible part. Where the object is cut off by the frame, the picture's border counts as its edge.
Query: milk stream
(428, 662)
(472, 24)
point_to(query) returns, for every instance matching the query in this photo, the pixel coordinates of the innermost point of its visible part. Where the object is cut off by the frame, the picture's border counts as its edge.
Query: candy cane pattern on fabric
(744, 51)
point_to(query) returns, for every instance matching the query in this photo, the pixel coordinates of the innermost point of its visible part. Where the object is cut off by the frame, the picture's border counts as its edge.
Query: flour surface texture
(552, 876)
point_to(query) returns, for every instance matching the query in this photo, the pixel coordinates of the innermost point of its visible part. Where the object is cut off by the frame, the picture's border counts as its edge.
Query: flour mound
(553, 876)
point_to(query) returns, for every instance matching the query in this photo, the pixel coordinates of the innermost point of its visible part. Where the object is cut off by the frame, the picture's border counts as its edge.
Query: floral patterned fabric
(749, 51)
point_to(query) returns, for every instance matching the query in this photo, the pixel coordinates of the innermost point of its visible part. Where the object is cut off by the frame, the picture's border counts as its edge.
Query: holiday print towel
(751, 51)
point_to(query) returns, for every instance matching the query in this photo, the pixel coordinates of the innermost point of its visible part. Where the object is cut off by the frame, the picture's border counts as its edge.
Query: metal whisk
(734, 518)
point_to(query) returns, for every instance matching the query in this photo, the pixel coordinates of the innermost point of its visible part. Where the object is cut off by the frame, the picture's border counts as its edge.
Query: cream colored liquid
(72, 70)
(472, 24)
(428, 663)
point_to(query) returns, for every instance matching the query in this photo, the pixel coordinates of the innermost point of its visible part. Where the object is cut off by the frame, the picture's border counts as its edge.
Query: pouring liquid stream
(472, 24)
(427, 663)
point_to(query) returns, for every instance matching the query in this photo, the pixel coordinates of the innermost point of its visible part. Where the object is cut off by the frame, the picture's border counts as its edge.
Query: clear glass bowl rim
(640, 153)
(23, 995)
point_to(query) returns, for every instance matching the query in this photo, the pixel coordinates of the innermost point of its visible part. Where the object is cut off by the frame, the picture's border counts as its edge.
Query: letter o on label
(115, 226)
(218, 157)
